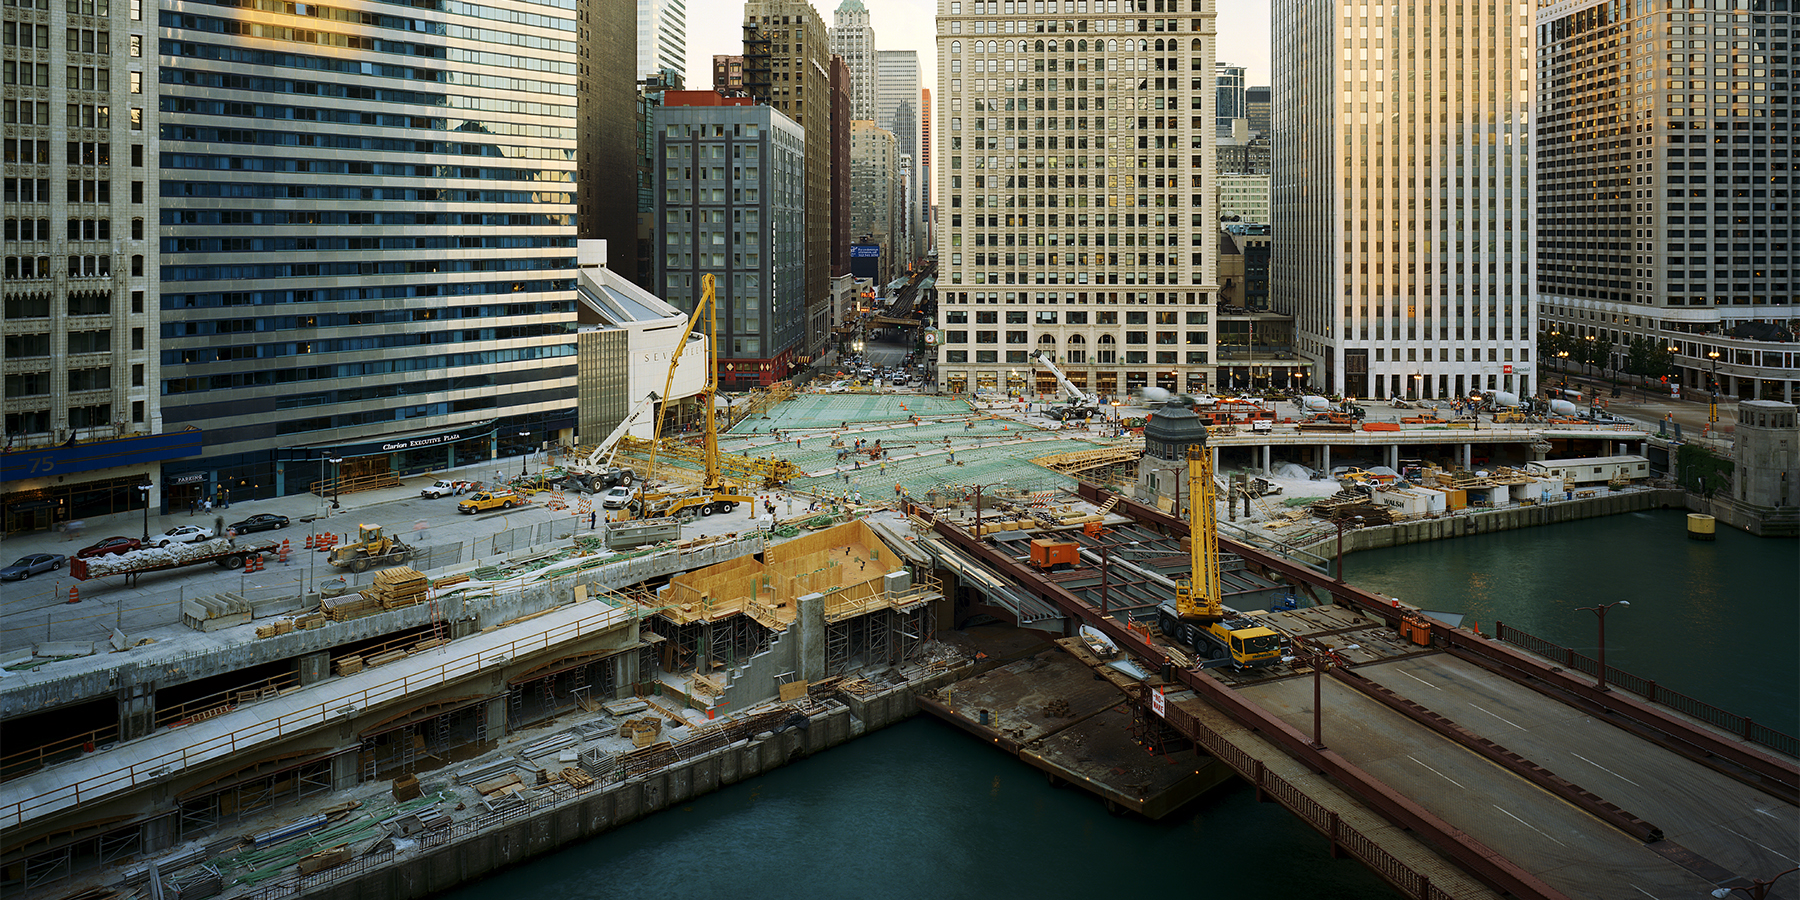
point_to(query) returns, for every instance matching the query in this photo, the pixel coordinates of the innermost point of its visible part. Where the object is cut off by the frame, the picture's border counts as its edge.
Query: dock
(1057, 713)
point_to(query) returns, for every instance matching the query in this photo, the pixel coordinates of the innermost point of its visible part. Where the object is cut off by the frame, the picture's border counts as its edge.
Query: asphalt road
(1720, 820)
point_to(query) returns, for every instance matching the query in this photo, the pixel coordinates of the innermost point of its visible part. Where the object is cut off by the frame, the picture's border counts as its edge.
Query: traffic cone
(250, 564)
(308, 545)
(74, 593)
(284, 547)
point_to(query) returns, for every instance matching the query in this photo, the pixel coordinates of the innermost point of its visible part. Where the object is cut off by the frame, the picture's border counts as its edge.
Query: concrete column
(1325, 459)
(1268, 454)
(1468, 456)
(313, 667)
(137, 711)
(809, 623)
(344, 774)
(496, 717)
(625, 673)
(158, 833)
(1393, 456)
(1214, 450)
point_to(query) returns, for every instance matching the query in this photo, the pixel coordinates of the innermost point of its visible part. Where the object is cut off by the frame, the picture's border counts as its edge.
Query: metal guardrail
(1741, 726)
(17, 811)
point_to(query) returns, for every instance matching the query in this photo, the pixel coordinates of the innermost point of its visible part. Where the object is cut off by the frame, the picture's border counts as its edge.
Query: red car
(112, 545)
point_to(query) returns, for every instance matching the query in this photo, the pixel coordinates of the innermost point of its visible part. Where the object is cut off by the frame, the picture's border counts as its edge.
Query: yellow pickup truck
(481, 501)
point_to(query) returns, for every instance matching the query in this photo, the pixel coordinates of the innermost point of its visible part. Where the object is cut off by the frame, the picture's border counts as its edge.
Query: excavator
(716, 494)
(1197, 618)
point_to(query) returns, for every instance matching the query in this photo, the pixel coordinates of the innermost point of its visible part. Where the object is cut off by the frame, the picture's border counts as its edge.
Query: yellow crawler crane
(716, 493)
(1196, 617)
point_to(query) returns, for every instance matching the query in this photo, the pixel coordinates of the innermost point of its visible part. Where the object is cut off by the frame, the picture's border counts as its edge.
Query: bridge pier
(1268, 453)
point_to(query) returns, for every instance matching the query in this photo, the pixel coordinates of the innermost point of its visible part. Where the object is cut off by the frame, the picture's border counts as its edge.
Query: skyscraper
(874, 170)
(787, 65)
(732, 202)
(81, 258)
(1400, 193)
(347, 276)
(925, 237)
(1665, 215)
(661, 37)
(1256, 108)
(897, 110)
(1077, 219)
(1232, 103)
(853, 38)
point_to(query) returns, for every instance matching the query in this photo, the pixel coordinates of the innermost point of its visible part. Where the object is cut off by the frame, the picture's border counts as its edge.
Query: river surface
(920, 810)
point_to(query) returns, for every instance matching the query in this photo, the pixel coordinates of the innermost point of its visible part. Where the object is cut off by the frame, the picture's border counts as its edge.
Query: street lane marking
(1497, 716)
(1420, 680)
(1530, 826)
(1437, 773)
(1644, 892)
(1605, 769)
(1760, 844)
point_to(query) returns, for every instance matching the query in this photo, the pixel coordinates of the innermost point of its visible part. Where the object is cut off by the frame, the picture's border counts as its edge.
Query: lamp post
(1674, 372)
(1418, 386)
(1600, 611)
(525, 436)
(1758, 889)
(1319, 659)
(144, 489)
(1712, 414)
(1587, 357)
(1355, 522)
(337, 475)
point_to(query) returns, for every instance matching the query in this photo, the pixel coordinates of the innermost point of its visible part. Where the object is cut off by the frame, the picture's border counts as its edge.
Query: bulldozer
(372, 548)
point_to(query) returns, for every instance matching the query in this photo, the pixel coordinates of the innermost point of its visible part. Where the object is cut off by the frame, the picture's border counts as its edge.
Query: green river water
(920, 810)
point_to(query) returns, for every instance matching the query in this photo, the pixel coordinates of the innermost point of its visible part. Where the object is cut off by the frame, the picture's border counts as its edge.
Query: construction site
(424, 722)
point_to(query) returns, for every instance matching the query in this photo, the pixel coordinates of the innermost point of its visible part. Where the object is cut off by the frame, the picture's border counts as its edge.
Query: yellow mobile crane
(715, 494)
(1197, 618)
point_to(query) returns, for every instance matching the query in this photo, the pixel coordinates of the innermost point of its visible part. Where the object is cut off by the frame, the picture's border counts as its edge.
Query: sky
(1243, 27)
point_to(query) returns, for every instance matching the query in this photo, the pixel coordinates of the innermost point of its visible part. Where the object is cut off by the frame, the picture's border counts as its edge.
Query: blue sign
(865, 250)
(72, 459)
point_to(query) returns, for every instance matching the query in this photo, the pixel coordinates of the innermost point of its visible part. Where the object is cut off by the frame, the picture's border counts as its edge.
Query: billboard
(865, 260)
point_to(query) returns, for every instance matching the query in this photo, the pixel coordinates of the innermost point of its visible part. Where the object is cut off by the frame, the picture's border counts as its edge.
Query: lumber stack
(345, 607)
(642, 732)
(576, 778)
(348, 665)
(398, 587)
(279, 626)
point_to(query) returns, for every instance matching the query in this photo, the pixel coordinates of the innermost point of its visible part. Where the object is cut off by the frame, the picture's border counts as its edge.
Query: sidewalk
(298, 507)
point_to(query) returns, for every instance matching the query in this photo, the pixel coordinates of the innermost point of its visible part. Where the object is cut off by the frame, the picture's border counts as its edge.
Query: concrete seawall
(423, 873)
(1487, 521)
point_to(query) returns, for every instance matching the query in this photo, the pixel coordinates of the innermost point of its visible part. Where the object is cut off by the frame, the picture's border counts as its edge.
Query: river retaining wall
(425, 872)
(1461, 524)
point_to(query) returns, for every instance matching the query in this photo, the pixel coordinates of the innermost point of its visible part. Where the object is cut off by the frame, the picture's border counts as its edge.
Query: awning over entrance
(414, 440)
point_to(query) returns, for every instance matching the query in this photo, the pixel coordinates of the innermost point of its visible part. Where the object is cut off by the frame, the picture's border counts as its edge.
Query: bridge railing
(1742, 726)
(1343, 836)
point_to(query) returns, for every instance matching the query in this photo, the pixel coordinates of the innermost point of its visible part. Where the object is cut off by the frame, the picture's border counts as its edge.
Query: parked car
(28, 566)
(616, 498)
(183, 534)
(260, 522)
(112, 545)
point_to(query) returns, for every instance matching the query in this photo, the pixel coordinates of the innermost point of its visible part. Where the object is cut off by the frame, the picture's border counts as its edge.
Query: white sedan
(184, 534)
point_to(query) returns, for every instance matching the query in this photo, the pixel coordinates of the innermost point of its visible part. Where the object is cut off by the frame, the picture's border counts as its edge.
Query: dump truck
(220, 552)
(481, 501)
(371, 548)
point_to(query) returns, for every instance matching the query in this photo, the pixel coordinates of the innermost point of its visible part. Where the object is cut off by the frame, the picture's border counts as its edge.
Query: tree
(1637, 357)
(1602, 348)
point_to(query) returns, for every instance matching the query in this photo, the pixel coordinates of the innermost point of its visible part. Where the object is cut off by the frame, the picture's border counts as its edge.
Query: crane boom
(706, 306)
(1076, 395)
(1198, 599)
(603, 453)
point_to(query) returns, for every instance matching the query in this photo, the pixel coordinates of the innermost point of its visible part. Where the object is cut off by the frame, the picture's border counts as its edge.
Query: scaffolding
(205, 808)
(886, 638)
(423, 744)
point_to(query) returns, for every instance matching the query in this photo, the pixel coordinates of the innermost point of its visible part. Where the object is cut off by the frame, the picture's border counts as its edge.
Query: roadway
(1717, 820)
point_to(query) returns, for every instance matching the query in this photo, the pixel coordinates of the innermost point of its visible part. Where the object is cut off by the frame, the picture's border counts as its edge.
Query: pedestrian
(207, 507)
(591, 518)
(953, 457)
(193, 506)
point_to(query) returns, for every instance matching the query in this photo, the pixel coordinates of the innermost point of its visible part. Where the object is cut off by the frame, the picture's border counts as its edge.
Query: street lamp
(1354, 522)
(337, 476)
(1600, 611)
(1713, 408)
(145, 490)
(1758, 889)
(1674, 372)
(1319, 659)
(1418, 386)
(523, 437)
(1587, 358)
